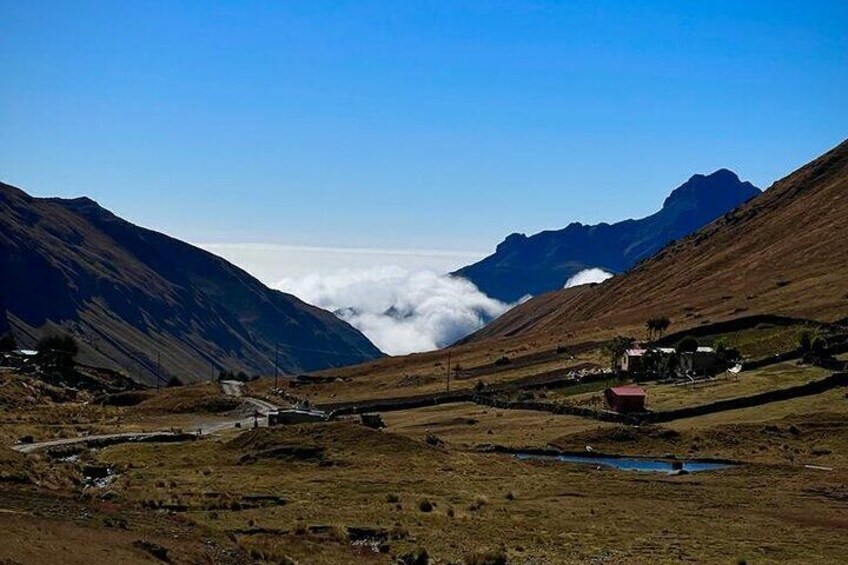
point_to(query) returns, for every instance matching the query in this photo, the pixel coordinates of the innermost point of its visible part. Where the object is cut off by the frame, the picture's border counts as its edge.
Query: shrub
(415, 557)
(500, 361)
(434, 440)
(425, 506)
(495, 557)
(478, 503)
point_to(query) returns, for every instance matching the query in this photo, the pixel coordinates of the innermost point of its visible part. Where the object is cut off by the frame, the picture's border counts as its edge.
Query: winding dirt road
(230, 388)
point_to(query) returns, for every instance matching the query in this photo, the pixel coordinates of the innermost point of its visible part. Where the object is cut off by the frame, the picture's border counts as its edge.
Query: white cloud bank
(270, 262)
(587, 276)
(401, 311)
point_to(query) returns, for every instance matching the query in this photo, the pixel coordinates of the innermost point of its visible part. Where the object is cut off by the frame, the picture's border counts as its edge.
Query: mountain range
(782, 253)
(545, 261)
(137, 299)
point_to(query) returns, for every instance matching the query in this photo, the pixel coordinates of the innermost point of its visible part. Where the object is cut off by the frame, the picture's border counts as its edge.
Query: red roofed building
(623, 399)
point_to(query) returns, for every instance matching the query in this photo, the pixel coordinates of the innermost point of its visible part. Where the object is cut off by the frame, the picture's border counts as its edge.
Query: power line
(340, 354)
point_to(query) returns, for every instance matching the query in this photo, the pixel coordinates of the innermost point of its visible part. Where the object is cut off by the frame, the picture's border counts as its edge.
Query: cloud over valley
(400, 310)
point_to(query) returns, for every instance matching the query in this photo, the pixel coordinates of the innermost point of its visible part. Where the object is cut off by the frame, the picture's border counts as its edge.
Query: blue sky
(432, 125)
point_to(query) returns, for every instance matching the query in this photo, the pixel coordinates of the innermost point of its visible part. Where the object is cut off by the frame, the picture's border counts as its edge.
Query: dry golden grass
(426, 373)
(832, 401)
(311, 493)
(753, 260)
(773, 377)
(725, 386)
(562, 513)
(171, 408)
(206, 398)
(468, 424)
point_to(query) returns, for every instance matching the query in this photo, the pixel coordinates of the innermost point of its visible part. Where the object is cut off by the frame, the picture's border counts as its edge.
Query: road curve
(230, 388)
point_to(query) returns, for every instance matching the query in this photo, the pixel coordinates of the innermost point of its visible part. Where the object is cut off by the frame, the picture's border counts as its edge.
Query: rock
(154, 549)
(415, 557)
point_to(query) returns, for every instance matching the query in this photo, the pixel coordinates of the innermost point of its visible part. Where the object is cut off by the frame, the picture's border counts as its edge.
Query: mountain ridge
(132, 295)
(542, 262)
(780, 253)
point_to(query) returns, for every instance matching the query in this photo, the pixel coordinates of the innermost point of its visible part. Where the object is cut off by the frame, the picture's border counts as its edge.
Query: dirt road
(261, 408)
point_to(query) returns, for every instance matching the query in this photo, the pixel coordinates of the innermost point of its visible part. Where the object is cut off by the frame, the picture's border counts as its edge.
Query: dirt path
(230, 388)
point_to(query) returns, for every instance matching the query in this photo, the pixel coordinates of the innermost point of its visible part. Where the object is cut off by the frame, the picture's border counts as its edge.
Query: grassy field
(341, 493)
(781, 375)
(29, 408)
(669, 397)
(468, 425)
(426, 374)
(762, 341)
(337, 479)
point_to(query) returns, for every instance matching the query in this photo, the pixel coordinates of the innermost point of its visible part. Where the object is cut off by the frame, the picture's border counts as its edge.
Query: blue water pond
(631, 463)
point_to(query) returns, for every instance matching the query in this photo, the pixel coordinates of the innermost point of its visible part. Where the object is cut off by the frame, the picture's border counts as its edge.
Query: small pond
(632, 463)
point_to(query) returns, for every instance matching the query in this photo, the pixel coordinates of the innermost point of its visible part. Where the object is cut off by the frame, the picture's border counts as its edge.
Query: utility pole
(449, 367)
(276, 364)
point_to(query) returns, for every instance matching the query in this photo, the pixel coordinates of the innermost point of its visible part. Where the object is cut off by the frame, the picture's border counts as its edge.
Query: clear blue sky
(438, 125)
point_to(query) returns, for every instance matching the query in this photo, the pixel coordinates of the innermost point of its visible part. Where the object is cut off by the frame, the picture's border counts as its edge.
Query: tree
(617, 348)
(658, 365)
(173, 382)
(657, 325)
(727, 355)
(688, 344)
(662, 323)
(805, 342)
(818, 346)
(58, 350)
(8, 343)
(650, 326)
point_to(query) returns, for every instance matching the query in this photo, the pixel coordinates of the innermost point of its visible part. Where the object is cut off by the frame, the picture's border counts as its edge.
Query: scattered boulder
(414, 557)
(154, 549)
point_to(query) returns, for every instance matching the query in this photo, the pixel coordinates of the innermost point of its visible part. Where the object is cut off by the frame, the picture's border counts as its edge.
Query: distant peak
(513, 240)
(722, 184)
(724, 173)
(81, 204)
(83, 201)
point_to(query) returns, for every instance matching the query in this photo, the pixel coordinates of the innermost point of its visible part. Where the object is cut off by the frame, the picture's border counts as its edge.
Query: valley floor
(340, 493)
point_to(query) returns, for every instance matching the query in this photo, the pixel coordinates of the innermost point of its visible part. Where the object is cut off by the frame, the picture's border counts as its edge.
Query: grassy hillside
(781, 253)
(130, 295)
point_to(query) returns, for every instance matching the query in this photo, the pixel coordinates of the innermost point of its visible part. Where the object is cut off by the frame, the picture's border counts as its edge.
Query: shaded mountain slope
(783, 252)
(543, 262)
(130, 294)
